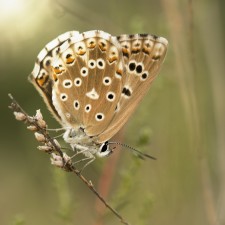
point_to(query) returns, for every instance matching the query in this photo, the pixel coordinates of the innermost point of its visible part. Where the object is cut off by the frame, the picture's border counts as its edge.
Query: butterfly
(92, 82)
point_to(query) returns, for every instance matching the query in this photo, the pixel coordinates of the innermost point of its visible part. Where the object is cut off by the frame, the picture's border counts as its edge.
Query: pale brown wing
(87, 81)
(143, 56)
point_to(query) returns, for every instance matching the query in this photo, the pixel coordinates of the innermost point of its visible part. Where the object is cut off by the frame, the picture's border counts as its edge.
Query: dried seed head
(20, 116)
(57, 160)
(41, 123)
(32, 128)
(38, 115)
(39, 137)
(49, 144)
(45, 148)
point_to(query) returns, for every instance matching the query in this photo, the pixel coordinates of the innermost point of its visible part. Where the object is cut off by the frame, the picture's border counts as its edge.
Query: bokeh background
(181, 121)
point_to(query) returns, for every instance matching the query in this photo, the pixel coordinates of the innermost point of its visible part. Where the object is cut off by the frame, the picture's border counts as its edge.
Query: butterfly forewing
(86, 84)
(143, 56)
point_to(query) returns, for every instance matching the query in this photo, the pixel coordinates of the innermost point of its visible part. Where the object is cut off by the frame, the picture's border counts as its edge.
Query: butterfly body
(92, 83)
(81, 142)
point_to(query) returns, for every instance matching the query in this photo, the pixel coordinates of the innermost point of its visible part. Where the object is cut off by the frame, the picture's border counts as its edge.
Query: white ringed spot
(99, 116)
(84, 71)
(100, 63)
(91, 63)
(88, 108)
(76, 104)
(107, 81)
(77, 82)
(139, 68)
(63, 97)
(110, 96)
(132, 66)
(144, 76)
(67, 83)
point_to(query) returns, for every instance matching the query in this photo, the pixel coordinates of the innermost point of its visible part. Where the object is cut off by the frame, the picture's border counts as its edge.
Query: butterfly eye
(104, 150)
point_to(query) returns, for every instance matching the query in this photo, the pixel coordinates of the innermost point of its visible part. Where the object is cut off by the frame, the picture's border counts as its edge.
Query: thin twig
(67, 165)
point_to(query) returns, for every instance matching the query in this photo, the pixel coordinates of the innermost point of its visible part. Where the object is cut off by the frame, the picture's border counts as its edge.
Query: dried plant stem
(32, 121)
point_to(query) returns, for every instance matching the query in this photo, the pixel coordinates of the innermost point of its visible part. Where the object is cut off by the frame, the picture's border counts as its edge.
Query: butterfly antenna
(134, 150)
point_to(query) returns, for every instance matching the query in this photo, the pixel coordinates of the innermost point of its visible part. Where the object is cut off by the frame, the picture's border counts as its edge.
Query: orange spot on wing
(41, 80)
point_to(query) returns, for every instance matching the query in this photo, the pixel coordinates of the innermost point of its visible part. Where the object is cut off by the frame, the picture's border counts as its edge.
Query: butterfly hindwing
(143, 56)
(41, 75)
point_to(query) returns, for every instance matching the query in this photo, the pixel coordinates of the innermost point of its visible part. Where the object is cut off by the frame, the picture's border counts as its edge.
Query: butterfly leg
(91, 159)
(89, 162)
(75, 150)
(78, 153)
(82, 160)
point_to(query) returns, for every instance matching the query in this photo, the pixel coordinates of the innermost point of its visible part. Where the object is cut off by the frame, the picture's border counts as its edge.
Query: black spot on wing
(126, 92)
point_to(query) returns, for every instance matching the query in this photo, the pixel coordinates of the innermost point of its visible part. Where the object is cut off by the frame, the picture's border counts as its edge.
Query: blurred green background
(181, 121)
